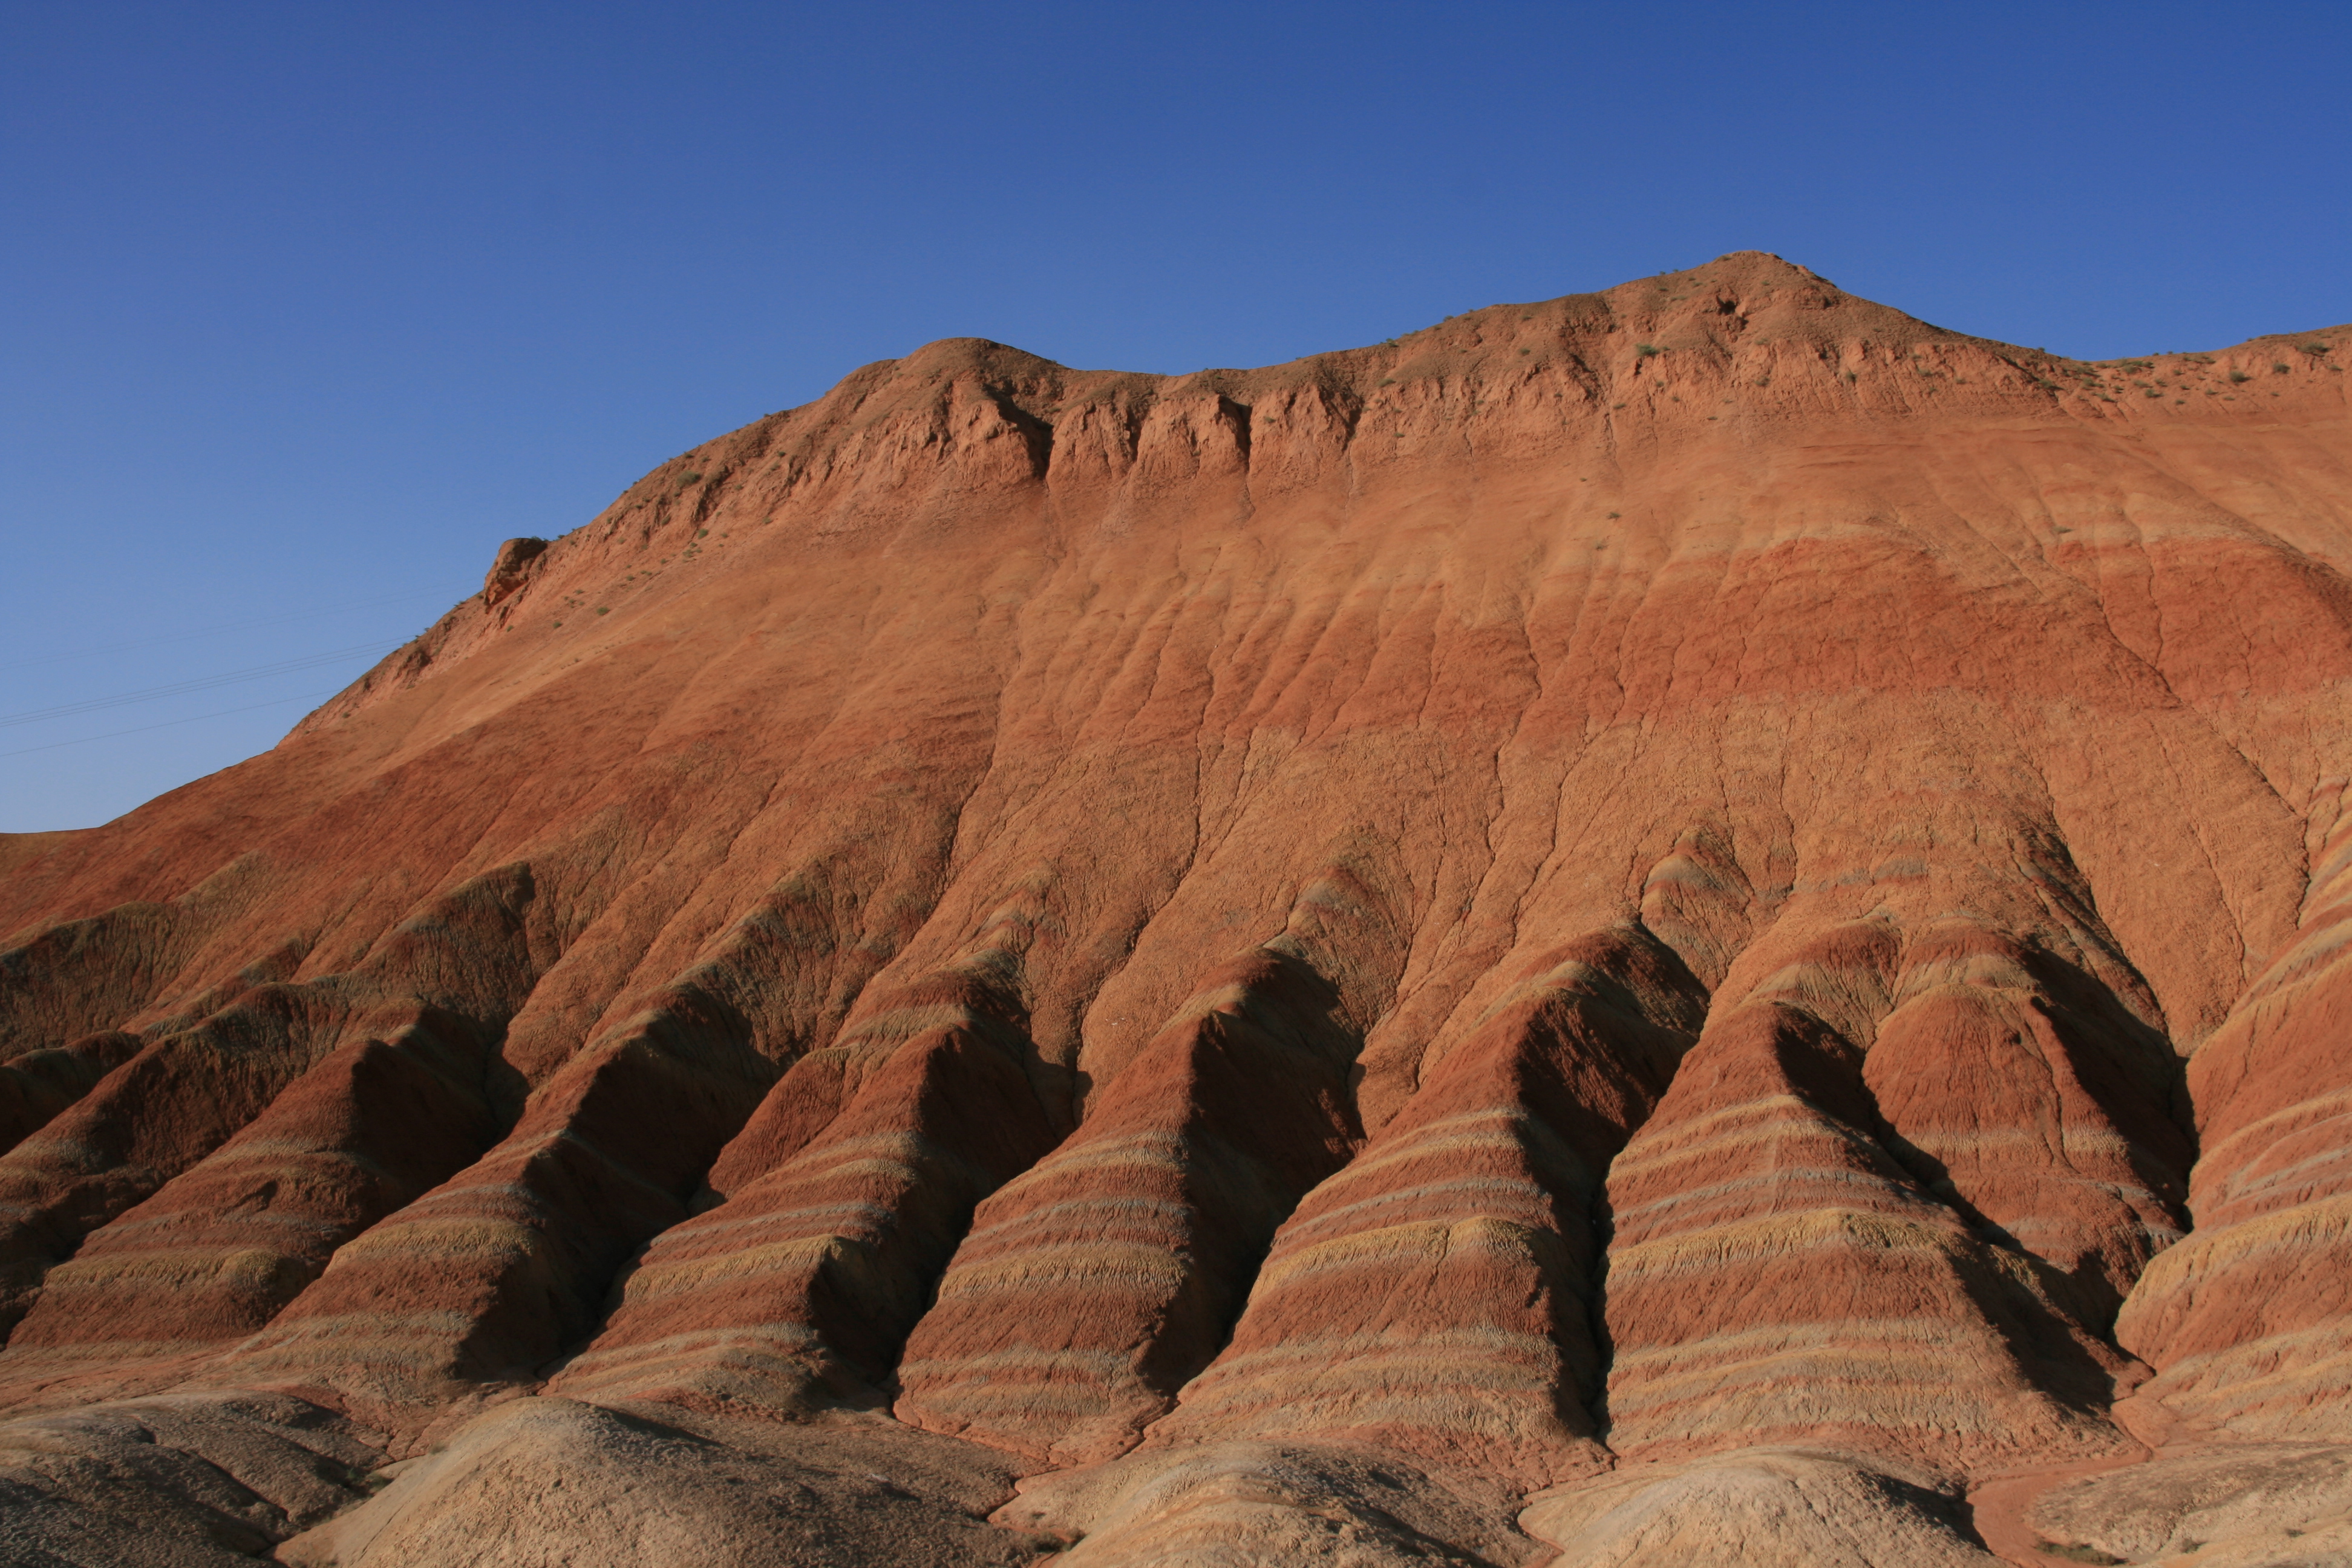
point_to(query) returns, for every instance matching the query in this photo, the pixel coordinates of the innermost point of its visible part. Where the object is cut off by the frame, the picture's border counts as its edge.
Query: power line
(143, 728)
(227, 626)
(178, 688)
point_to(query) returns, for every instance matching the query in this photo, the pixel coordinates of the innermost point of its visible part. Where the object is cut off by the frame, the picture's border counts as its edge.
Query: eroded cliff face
(1697, 904)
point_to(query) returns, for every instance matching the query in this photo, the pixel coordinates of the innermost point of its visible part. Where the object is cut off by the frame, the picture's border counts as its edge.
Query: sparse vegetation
(2240, 375)
(2074, 1552)
(2278, 369)
(1648, 351)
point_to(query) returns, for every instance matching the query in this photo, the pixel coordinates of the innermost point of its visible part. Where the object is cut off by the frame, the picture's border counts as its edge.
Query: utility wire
(227, 626)
(143, 728)
(284, 667)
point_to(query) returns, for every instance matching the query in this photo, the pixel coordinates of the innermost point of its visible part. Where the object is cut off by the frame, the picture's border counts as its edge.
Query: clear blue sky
(305, 307)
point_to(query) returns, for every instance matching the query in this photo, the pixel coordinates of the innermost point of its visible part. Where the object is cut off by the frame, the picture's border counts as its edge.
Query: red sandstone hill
(1695, 923)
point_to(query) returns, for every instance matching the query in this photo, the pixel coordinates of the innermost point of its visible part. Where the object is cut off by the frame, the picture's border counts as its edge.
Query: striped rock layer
(1098, 1282)
(802, 1286)
(1776, 1276)
(1661, 873)
(2249, 1320)
(1480, 1194)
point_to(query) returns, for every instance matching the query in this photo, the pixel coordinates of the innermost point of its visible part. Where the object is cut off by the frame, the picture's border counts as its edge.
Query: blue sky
(303, 308)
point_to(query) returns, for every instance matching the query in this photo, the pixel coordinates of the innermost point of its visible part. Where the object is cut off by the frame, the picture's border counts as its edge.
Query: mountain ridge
(1687, 904)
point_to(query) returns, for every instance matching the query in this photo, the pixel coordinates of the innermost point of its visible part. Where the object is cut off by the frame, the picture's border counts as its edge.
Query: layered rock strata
(2249, 1320)
(1436, 1295)
(1707, 900)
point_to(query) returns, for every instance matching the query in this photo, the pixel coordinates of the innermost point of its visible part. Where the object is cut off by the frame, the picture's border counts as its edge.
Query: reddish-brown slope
(2250, 1318)
(1027, 896)
(1435, 1296)
(1098, 1284)
(799, 1289)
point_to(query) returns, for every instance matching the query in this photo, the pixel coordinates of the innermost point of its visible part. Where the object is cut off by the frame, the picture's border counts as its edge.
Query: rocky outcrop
(511, 568)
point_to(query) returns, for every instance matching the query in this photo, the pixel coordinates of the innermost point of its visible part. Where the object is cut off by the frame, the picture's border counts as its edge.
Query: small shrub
(690, 476)
(2278, 369)
(2075, 1553)
(2240, 375)
(604, 609)
(1647, 351)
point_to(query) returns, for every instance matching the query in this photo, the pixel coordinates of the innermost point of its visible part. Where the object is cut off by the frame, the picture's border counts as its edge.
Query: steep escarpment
(1608, 924)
